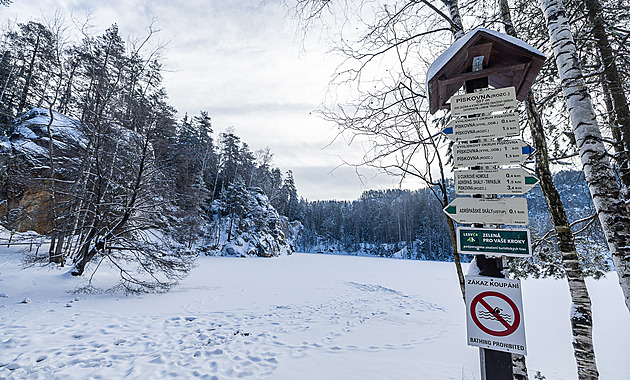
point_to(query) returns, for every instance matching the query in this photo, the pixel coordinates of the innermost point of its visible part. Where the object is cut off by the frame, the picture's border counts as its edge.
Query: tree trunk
(519, 367)
(85, 254)
(456, 259)
(29, 77)
(6, 83)
(229, 237)
(456, 25)
(613, 214)
(88, 253)
(581, 315)
(620, 116)
(52, 257)
(458, 32)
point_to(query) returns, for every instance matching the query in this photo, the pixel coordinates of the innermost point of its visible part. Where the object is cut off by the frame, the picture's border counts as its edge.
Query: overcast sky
(240, 61)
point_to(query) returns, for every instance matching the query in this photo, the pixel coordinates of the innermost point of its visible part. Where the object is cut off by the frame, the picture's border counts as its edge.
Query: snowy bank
(304, 316)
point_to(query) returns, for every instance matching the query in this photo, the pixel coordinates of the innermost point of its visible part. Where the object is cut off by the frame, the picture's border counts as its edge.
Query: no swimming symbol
(495, 313)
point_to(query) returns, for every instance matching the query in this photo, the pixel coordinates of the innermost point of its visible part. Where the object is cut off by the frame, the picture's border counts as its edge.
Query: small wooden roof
(507, 62)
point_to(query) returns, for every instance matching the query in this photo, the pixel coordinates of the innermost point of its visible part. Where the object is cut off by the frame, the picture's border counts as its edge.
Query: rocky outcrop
(256, 230)
(25, 167)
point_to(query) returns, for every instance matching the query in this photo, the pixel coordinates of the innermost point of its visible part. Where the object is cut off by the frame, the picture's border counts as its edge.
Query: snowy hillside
(304, 316)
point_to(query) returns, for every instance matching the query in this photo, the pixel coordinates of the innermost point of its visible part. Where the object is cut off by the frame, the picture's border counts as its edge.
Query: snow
(25, 132)
(473, 269)
(437, 65)
(30, 149)
(41, 116)
(303, 316)
(33, 125)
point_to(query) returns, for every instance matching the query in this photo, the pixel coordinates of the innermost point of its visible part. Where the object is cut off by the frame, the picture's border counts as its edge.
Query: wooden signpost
(503, 152)
(488, 210)
(483, 127)
(497, 181)
(481, 58)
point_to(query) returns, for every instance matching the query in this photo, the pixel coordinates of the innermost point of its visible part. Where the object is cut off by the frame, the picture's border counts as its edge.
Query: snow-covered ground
(304, 316)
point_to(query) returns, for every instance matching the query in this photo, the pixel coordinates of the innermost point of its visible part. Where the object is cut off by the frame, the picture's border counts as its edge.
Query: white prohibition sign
(494, 314)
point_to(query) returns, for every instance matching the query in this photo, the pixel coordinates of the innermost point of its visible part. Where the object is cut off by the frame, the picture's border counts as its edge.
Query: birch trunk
(581, 314)
(456, 24)
(620, 112)
(613, 214)
(519, 365)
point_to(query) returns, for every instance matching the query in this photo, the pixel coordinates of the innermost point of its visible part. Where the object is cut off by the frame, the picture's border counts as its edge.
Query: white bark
(581, 316)
(456, 18)
(598, 173)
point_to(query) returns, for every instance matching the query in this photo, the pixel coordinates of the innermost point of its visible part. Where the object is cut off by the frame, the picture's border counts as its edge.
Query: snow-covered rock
(25, 162)
(251, 228)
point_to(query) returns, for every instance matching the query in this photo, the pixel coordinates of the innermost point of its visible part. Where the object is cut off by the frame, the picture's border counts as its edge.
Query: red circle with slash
(481, 299)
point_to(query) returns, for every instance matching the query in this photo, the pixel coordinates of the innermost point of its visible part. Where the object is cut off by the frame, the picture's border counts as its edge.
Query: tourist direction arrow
(483, 127)
(484, 101)
(504, 152)
(498, 181)
(488, 210)
(514, 242)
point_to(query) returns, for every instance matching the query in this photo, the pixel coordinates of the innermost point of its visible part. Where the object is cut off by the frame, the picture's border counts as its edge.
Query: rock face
(25, 166)
(35, 214)
(257, 229)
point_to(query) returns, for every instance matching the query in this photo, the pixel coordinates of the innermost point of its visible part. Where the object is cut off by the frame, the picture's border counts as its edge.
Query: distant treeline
(412, 224)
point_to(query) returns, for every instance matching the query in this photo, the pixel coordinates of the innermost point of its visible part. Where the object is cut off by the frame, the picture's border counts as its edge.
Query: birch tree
(617, 102)
(581, 314)
(613, 214)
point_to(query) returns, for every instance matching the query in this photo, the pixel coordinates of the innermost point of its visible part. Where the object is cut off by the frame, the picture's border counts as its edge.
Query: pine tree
(290, 196)
(33, 47)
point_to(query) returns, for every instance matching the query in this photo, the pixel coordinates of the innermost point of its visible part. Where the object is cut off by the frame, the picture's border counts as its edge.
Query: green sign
(488, 241)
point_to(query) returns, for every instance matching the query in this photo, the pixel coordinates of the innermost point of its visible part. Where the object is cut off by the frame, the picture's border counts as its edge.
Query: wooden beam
(482, 73)
(484, 50)
(524, 74)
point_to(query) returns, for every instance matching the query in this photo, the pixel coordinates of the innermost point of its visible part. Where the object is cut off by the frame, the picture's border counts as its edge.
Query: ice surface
(304, 316)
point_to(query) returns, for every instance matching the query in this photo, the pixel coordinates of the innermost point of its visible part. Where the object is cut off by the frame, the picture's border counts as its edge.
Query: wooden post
(495, 365)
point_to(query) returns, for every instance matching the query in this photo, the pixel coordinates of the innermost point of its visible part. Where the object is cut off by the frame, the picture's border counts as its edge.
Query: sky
(244, 62)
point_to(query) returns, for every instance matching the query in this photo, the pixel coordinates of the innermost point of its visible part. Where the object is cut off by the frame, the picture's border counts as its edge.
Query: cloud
(238, 60)
(342, 183)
